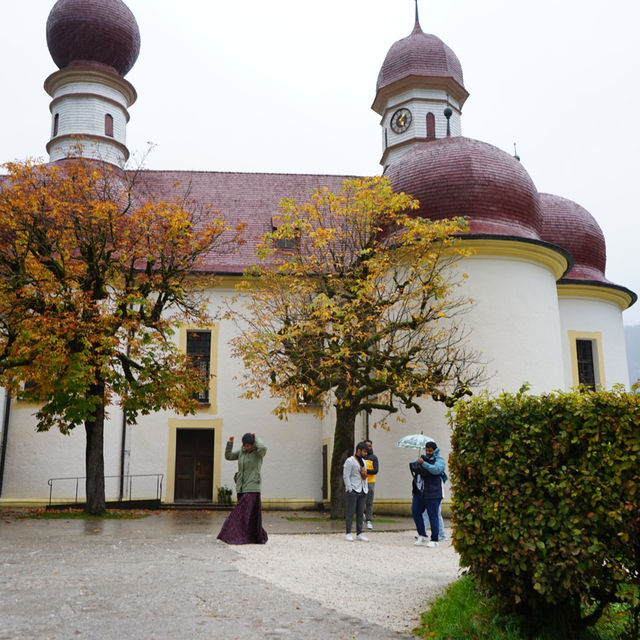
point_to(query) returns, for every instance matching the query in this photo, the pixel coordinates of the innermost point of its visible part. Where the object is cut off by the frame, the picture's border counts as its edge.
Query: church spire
(417, 24)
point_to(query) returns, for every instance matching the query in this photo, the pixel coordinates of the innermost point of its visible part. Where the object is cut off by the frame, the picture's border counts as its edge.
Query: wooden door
(194, 465)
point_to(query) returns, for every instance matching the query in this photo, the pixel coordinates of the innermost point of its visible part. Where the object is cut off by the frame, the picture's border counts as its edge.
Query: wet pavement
(162, 576)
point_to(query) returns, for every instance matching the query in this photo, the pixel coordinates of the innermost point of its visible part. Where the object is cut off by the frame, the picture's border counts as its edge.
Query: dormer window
(108, 125)
(282, 243)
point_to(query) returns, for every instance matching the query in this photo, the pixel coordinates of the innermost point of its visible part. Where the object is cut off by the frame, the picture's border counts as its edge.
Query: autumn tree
(94, 281)
(352, 305)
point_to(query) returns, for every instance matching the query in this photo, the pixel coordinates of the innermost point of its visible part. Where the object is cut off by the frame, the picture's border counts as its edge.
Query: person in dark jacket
(371, 462)
(427, 472)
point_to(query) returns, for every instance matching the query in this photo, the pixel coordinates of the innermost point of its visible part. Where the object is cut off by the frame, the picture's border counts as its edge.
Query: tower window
(108, 125)
(586, 363)
(431, 125)
(56, 122)
(199, 353)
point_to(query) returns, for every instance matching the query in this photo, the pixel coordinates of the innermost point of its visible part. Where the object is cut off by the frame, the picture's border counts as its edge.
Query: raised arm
(229, 454)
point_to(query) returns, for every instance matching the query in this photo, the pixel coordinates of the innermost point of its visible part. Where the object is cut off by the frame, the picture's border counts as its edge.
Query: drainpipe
(123, 446)
(5, 432)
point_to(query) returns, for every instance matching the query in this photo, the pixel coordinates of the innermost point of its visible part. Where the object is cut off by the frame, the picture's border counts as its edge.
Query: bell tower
(419, 93)
(94, 43)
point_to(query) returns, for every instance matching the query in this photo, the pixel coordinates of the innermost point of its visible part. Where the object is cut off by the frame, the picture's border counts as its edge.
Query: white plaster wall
(32, 458)
(516, 325)
(292, 466)
(515, 322)
(592, 315)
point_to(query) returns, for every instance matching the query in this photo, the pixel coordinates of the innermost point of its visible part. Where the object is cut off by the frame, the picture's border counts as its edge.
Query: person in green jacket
(244, 524)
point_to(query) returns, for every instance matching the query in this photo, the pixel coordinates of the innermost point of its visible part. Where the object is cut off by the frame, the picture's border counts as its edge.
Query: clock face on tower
(401, 120)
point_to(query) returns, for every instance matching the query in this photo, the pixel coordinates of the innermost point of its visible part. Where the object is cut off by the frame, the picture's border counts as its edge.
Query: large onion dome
(93, 31)
(459, 176)
(571, 227)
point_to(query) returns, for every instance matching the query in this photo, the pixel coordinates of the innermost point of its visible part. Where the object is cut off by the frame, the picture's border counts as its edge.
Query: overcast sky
(287, 85)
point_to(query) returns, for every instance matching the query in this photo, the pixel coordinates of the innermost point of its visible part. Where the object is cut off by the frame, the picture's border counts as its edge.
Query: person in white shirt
(354, 474)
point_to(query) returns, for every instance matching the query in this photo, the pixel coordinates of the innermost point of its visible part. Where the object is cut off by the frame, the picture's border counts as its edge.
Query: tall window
(108, 125)
(431, 125)
(199, 353)
(586, 363)
(56, 122)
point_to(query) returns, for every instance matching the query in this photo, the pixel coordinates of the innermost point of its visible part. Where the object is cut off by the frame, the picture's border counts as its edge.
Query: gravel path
(165, 577)
(387, 581)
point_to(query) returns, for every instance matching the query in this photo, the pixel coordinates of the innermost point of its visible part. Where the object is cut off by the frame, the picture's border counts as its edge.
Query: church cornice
(90, 140)
(448, 85)
(611, 293)
(87, 74)
(553, 258)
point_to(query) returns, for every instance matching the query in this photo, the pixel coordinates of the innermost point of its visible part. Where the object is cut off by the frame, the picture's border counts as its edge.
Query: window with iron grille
(199, 353)
(586, 363)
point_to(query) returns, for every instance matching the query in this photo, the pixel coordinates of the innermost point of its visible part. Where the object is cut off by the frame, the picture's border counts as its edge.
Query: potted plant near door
(224, 495)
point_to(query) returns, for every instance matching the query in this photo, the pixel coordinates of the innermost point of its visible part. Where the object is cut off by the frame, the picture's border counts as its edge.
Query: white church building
(544, 311)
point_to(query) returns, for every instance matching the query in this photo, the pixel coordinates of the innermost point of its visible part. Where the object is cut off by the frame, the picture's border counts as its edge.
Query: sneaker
(348, 537)
(420, 541)
(431, 543)
(362, 537)
(369, 525)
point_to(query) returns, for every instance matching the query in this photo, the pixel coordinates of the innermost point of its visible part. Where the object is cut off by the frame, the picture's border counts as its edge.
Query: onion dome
(463, 177)
(419, 55)
(102, 32)
(571, 227)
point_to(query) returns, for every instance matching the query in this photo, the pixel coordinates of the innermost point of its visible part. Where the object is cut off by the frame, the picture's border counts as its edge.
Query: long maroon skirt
(244, 524)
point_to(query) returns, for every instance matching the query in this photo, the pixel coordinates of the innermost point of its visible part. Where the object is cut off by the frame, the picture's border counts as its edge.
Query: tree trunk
(94, 455)
(343, 447)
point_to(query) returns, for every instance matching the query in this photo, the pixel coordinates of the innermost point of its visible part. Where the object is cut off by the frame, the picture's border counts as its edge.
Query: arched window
(431, 125)
(56, 121)
(108, 125)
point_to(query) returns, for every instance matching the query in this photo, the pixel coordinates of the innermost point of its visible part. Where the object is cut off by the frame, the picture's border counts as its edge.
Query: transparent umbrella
(414, 441)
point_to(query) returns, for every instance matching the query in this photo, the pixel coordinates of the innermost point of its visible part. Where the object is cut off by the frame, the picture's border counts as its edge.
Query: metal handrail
(128, 482)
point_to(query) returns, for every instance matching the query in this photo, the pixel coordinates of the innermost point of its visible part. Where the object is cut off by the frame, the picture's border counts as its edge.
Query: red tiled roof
(249, 198)
(463, 177)
(570, 226)
(103, 31)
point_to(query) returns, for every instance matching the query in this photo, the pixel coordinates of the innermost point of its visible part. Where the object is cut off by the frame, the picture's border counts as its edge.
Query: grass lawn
(463, 613)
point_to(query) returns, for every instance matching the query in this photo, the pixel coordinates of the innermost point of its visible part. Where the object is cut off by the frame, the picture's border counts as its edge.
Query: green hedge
(546, 502)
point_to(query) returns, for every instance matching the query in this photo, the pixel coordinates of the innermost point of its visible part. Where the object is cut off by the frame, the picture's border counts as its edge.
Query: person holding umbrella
(427, 472)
